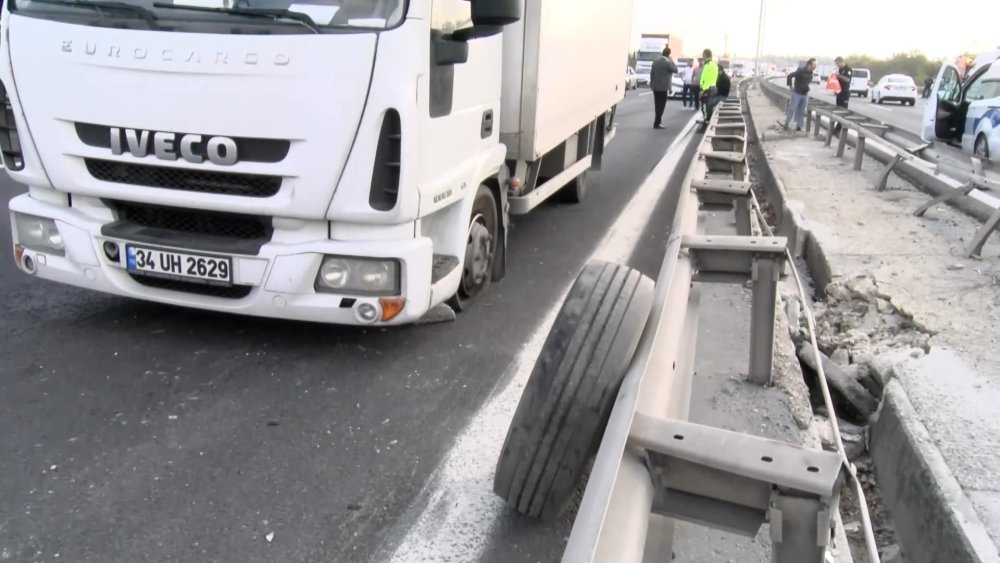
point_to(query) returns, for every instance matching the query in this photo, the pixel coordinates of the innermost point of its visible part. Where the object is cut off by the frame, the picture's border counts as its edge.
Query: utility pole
(760, 37)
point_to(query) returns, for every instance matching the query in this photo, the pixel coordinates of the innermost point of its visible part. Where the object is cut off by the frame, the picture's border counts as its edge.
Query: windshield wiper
(146, 14)
(273, 13)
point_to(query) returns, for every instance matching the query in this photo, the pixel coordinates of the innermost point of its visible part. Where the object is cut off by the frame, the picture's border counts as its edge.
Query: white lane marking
(462, 511)
(645, 93)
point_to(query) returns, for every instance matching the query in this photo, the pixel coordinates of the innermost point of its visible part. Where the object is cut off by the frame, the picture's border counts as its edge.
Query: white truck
(340, 161)
(651, 47)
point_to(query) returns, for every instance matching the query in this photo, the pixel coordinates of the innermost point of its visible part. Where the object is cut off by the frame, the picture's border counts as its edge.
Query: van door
(942, 113)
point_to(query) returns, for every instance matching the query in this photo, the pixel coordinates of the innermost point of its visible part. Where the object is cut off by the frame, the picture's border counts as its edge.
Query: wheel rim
(478, 254)
(981, 150)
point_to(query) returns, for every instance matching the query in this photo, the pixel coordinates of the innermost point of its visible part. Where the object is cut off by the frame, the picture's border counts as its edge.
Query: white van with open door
(967, 112)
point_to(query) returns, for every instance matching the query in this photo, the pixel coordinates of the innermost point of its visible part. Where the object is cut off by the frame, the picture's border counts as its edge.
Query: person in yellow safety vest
(707, 85)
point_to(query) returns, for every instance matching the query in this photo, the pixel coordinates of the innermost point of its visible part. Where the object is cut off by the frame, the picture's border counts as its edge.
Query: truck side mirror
(489, 17)
(495, 13)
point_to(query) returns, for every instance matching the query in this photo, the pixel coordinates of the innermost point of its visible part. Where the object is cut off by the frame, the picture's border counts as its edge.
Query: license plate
(157, 262)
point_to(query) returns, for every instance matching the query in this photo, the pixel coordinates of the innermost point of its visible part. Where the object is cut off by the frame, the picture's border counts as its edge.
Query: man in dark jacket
(844, 74)
(661, 79)
(800, 81)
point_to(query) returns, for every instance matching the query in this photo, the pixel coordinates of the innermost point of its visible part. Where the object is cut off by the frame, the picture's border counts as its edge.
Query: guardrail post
(975, 248)
(819, 124)
(796, 531)
(859, 155)
(884, 178)
(809, 119)
(842, 142)
(829, 132)
(766, 271)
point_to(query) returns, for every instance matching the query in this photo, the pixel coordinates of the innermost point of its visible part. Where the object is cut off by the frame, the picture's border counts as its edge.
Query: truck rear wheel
(480, 250)
(560, 419)
(576, 190)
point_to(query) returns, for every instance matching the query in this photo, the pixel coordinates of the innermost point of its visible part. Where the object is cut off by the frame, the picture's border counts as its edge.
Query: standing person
(844, 73)
(928, 84)
(687, 92)
(696, 85)
(799, 101)
(709, 80)
(661, 78)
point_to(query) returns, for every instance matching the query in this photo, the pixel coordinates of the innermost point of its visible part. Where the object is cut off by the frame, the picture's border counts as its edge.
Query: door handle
(487, 125)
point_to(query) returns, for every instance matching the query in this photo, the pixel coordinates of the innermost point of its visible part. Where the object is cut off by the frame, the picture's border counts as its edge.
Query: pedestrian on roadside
(927, 87)
(696, 85)
(799, 100)
(661, 79)
(844, 73)
(708, 85)
(687, 97)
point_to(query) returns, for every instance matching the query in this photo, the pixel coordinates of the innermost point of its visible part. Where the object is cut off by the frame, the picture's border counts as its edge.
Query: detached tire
(566, 403)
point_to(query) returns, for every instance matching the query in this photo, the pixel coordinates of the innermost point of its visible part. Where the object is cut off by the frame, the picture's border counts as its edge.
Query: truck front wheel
(480, 250)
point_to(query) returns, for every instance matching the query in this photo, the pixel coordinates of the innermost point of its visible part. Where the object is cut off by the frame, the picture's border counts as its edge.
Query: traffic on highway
(398, 281)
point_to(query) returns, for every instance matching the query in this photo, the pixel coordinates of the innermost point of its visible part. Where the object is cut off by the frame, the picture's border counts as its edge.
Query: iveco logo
(188, 56)
(171, 146)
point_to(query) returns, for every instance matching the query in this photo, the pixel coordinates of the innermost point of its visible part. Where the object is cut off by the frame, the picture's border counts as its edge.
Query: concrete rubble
(905, 318)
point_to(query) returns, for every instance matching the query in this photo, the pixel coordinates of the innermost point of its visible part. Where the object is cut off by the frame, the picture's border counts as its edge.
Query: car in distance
(861, 82)
(894, 88)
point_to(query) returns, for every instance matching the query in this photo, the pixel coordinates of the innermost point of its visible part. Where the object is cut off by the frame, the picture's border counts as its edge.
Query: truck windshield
(649, 56)
(221, 16)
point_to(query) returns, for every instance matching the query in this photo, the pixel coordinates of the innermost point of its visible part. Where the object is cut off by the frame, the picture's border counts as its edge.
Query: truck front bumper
(278, 282)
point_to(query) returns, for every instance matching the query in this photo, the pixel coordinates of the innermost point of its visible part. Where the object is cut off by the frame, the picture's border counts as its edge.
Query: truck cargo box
(563, 66)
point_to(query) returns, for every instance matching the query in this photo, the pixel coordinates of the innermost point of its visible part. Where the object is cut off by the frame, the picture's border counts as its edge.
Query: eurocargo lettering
(340, 162)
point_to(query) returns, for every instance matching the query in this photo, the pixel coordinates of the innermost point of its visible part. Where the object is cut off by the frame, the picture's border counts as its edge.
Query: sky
(876, 27)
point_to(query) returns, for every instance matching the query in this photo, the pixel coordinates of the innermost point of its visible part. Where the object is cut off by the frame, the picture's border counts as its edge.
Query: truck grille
(193, 221)
(231, 292)
(225, 183)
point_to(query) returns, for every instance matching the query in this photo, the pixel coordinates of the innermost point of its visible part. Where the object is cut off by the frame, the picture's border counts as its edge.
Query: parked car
(895, 88)
(631, 80)
(861, 83)
(967, 113)
(677, 86)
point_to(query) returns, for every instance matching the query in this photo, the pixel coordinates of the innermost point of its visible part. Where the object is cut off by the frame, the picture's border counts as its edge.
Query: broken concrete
(907, 304)
(842, 385)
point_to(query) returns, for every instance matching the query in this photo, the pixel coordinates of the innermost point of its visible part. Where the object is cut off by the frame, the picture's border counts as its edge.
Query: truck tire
(480, 250)
(565, 406)
(576, 190)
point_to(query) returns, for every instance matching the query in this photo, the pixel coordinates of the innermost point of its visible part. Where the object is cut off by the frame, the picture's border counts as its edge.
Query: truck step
(443, 265)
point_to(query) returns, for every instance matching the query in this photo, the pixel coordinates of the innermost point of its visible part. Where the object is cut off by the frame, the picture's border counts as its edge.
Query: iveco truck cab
(341, 161)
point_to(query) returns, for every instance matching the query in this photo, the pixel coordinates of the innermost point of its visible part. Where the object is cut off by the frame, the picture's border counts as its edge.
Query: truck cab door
(942, 113)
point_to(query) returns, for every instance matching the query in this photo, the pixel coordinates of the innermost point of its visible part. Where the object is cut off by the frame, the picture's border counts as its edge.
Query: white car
(631, 81)
(677, 86)
(895, 88)
(969, 112)
(861, 82)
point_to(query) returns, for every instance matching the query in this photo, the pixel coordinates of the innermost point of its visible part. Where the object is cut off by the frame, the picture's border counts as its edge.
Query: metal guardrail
(615, 376)
(907, 155)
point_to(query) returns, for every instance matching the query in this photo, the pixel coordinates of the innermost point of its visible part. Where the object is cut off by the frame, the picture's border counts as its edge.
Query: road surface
(140, 432)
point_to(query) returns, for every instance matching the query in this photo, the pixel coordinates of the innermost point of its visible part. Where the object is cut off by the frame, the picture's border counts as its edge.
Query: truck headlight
(360, 276)
(39, 234)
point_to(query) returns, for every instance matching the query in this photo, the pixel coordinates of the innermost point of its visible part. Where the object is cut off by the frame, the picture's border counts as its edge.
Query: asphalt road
(139, 432)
